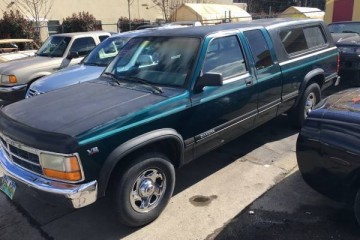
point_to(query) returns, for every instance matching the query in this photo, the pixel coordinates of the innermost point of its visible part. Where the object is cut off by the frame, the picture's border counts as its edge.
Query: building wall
(342, 10)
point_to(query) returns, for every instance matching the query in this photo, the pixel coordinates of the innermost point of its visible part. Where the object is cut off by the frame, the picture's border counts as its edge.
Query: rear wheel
(307, 102)
(143, 189)
(357, 206)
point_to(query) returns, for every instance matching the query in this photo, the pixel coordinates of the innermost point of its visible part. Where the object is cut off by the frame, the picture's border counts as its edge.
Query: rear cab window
(302, 39)
(259, 48)
(103, 37)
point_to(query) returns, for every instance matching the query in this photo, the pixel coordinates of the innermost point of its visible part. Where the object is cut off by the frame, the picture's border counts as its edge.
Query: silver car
(90, 68)
(58, 51)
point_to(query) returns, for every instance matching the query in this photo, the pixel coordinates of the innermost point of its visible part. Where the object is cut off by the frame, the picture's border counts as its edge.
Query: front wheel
(307, 102)
(143, 190)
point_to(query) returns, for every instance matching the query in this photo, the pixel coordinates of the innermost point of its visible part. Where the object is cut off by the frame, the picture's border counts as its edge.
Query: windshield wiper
(112, 76)
(94, 64)
(129, 79)
(141, 81)
(349, 31)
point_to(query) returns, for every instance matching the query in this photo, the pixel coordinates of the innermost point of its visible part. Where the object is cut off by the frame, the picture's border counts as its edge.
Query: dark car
(347, 38)
(328, 148)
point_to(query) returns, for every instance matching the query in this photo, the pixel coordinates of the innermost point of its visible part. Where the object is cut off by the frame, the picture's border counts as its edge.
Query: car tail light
(337, 63)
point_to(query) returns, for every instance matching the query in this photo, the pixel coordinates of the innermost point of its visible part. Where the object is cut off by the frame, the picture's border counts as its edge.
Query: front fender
(38, 75)
(131, 146)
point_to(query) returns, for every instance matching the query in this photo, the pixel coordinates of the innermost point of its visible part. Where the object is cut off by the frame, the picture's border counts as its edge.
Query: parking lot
(249, 184)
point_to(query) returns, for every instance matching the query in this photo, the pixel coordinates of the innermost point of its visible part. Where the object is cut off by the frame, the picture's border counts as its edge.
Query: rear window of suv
(300, 39)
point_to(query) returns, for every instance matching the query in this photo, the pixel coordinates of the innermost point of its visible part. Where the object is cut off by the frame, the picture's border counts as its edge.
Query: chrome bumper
(13, 88)
(73, 195)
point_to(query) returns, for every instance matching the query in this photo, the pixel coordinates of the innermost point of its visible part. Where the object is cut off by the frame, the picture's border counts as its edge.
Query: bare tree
(36, 9)
(129, 3)
(169, 6)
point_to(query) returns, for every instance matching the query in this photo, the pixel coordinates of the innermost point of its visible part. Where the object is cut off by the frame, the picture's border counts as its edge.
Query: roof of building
(210, 12)
(303, 12)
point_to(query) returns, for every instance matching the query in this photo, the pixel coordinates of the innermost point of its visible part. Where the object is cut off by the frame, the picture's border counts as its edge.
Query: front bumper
(70, 195)
(13, 93)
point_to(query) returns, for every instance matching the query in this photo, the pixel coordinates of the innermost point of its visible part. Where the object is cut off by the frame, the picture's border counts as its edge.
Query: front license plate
(8, 186)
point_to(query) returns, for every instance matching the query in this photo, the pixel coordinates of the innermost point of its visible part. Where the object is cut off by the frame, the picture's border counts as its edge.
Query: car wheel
(307, 102)
(143, 189)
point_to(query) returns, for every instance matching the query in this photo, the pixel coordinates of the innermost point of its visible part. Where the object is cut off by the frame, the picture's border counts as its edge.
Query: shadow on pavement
(292, 210)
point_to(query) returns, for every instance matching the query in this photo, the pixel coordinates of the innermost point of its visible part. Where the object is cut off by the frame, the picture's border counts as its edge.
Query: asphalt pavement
(291, 210)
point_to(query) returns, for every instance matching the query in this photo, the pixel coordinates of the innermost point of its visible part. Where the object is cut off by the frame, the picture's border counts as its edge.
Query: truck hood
(17, 55)
(73, 110)
(66, 77)
(12, 67)
(342, 106)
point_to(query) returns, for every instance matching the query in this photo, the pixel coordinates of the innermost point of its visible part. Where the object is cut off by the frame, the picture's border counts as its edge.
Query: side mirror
(209, 80)
(72, 55)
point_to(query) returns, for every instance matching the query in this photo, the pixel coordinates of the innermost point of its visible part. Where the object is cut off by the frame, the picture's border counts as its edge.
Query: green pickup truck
(168, 97)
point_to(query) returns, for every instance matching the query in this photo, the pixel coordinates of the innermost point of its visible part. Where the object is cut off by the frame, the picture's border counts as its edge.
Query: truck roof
(202, 31)
(81, 33)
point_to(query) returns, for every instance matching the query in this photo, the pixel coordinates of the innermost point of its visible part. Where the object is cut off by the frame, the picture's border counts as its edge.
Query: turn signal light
(12, 79)
(68, 176)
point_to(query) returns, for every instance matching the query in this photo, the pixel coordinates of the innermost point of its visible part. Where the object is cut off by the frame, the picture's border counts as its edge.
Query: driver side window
(83, 46)
(224, 56)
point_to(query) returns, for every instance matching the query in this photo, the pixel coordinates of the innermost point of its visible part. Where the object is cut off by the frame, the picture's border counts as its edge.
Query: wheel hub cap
(310, 103)
(147, 188)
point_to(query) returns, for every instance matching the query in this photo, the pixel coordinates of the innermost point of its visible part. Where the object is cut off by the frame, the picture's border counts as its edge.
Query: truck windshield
(156, 60)
(106, 51)
(54, 46)
(348, 27)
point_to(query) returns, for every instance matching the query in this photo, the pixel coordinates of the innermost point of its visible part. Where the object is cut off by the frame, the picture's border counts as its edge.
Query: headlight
(61, 167)
(8, 79)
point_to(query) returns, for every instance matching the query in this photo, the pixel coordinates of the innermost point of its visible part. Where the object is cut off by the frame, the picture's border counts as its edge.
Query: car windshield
(349, 27)
(156, 60)
(54, 46)
(106, 51)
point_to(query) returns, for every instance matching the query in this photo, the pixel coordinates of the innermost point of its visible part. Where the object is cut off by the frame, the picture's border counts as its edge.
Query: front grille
(21, 155)
(24, 154)
(32, 93)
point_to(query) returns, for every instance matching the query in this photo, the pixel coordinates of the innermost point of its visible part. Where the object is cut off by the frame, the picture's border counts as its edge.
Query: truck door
(221, 113)
(268, 74)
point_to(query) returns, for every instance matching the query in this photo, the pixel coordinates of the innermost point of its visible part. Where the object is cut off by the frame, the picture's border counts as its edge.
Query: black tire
(357, 207)
(309, 99)
(138, 209)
